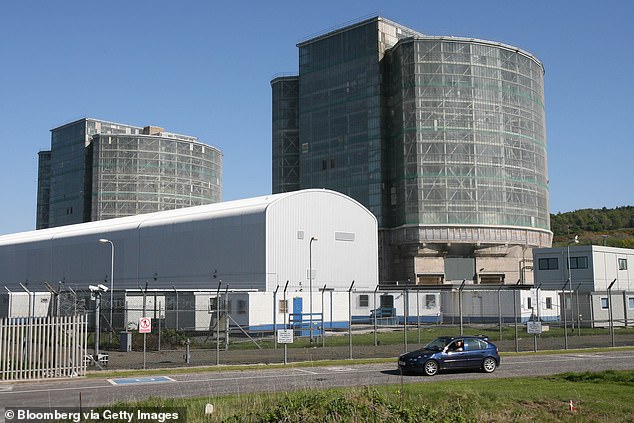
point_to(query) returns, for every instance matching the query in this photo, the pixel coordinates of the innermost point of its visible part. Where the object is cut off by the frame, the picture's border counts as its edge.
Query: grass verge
(596, 397)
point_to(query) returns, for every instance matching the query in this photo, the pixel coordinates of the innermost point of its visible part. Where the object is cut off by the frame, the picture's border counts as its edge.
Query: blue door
(297, 307)
(298, 316)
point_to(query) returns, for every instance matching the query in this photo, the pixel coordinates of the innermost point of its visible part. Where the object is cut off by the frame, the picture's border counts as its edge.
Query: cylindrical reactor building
(148, 172)
(467, 160)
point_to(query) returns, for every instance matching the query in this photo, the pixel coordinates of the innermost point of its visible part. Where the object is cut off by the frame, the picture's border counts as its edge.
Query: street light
(107, 241)
(574, 241)
(310, 283)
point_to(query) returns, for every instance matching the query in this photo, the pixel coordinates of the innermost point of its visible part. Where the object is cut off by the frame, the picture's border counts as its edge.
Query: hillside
(612, 227)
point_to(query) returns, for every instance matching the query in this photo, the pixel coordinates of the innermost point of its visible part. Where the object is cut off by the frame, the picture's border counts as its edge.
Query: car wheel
(489, 364)
(430, 367)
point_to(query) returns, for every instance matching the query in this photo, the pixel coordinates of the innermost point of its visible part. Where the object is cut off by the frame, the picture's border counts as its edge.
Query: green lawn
(173, 339)
(598, 397)
(426, 334)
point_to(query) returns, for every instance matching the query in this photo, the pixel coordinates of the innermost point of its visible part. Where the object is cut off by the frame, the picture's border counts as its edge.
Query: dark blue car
(451, 352)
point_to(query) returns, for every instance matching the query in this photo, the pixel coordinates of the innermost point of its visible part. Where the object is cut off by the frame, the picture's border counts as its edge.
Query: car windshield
(437, 344)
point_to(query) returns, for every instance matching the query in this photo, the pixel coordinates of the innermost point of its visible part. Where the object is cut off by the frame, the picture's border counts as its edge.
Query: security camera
(98, 288)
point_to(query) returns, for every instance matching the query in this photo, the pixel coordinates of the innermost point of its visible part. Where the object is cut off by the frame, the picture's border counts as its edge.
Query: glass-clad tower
(99, 170)
(285, 127)
(339, 112)
(442, 138)
(469, 145)
(152, 171)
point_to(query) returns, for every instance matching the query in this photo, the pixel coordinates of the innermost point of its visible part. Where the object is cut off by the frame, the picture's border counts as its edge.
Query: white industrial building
(490, 305)
(261, 311)
(247, 247)
(253, 244)
(585, 273)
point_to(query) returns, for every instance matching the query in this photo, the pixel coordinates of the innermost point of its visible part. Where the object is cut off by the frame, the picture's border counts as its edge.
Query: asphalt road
(84, 393)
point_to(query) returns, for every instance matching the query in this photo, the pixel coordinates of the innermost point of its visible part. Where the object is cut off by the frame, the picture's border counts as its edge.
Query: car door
(474, 352)
(452, 358)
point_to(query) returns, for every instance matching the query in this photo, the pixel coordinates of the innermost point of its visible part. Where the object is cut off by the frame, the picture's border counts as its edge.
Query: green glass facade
(442, 138)
(339, 106)
(43, 189)
(469, 141)
(99, 170)
(285, 127)
(339, 112)
(136, 174)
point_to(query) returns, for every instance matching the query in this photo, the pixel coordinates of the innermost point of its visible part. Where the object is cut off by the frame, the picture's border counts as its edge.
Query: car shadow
(397, 372)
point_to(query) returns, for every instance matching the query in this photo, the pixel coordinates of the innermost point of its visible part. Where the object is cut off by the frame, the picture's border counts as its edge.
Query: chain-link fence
(226, 327)
(223, 326)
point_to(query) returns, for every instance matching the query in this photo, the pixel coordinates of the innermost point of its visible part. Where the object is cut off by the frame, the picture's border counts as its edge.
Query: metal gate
(42, 347)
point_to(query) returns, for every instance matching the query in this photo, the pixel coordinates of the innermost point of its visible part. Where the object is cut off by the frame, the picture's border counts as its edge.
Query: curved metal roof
(237, 207)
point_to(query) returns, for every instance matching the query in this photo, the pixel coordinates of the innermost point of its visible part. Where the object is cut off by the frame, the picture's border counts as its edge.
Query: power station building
(252, 244)
(442, 138)
(98, 170)
(258, 249)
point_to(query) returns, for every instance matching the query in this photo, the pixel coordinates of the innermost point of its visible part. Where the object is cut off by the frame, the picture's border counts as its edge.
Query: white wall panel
(336, 263)
(246, 244)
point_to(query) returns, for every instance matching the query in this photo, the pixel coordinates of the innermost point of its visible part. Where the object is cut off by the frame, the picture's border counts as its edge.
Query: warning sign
(285, 336)
(145, 325)
(534, 327)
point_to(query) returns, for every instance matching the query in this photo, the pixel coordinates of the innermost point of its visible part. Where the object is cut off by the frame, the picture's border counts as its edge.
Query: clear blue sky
(203, 68)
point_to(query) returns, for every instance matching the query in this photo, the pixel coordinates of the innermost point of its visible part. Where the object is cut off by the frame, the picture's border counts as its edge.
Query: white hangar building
(254, 244)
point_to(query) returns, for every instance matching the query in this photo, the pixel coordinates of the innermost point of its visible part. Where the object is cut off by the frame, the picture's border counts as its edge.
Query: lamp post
(310, 284)
(574, 241)
(107, 241)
